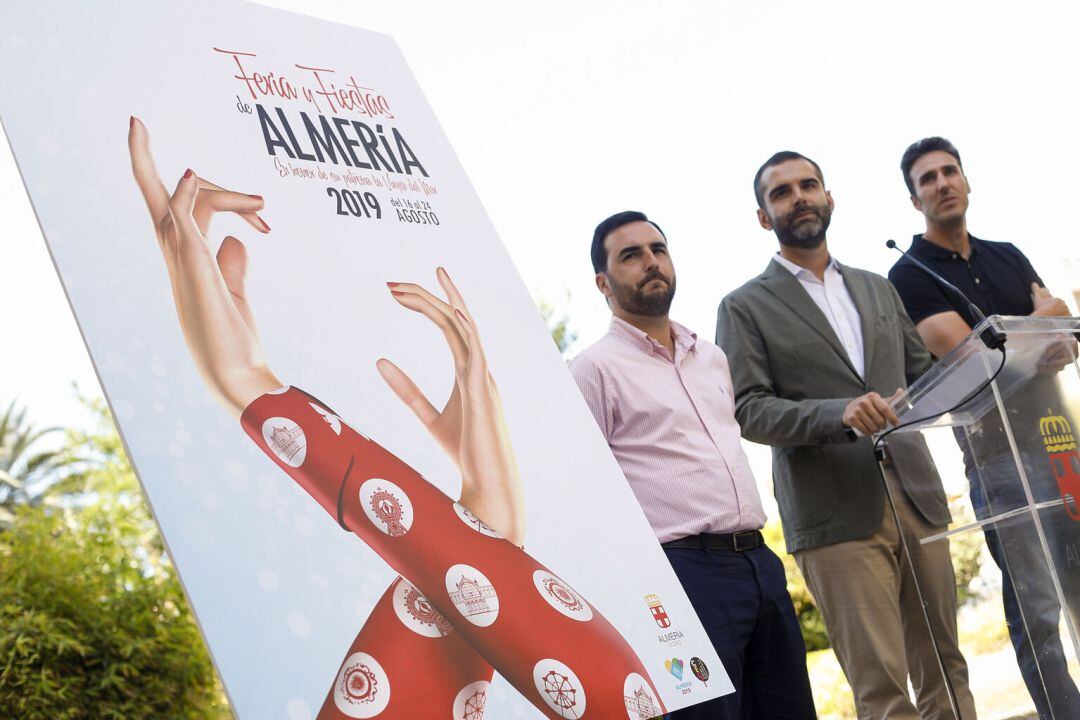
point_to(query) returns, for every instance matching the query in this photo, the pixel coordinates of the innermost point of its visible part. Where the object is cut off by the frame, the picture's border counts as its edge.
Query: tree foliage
(24, 465)
(93, 622)
(558, 322)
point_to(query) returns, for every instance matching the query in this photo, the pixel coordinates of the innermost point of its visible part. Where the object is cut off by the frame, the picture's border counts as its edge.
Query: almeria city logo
(1064, 459)
(657, 610)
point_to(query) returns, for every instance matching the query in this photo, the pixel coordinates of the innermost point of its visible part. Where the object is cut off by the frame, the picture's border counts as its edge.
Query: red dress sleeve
(536, 630)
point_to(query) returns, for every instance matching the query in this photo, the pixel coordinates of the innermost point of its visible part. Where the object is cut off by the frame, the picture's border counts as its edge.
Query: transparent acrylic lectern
(1009, 463)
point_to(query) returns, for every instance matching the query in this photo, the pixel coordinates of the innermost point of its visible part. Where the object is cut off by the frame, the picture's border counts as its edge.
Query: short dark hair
(610, 225)
(781, 157)
(921, 147)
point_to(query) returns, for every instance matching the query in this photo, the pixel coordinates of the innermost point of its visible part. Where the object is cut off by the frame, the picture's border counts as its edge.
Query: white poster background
(280, 590)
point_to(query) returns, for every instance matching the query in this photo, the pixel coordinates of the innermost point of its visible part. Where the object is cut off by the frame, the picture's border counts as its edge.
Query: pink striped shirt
(671, 424)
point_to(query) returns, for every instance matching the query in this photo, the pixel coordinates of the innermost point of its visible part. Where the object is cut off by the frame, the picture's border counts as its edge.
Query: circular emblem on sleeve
(641, 701)
(387, 506)
(561, 596)
(362, 689)
(472, 594)
(416, 613)
(474, 522)
(286, 440)
(471, 701)
(559, 688)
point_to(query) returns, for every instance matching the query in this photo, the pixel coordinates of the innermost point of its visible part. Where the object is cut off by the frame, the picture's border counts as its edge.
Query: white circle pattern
(362, 688)
(386, 506)
(561, 596)
(286, 440)
(472, 594)
(559, 688)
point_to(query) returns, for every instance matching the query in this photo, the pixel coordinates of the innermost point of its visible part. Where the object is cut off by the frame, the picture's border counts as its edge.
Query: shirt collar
(798, 270)
(921, 246)
(685, 339)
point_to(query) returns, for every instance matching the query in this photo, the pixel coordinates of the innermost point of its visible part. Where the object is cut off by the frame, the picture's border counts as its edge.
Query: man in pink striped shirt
(663, 399)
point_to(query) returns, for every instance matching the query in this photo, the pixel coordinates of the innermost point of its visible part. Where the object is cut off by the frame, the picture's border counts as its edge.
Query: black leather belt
(738, 542)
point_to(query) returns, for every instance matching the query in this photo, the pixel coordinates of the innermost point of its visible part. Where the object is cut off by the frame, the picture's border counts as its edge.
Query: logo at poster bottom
(700, 669)
(657, 610)
(471, 701)
(641, 701)
(362, 689)
(559, 688)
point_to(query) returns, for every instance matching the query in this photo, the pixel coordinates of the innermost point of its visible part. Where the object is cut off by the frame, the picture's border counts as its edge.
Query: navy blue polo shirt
(996, 277)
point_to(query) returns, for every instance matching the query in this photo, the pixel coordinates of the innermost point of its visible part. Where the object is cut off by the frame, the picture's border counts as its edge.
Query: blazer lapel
(782, 284)
(860, 293)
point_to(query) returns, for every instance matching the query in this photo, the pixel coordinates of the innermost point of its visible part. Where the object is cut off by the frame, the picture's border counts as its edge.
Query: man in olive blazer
(813, 347)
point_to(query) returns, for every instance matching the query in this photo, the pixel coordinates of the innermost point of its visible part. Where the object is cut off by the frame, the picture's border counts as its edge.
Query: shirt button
(976, 281)
(954, 256)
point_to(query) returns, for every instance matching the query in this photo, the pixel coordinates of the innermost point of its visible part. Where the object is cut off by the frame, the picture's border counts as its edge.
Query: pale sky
(565, 112)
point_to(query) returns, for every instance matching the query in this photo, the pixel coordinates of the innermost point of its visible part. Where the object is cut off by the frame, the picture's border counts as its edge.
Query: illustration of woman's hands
(470, 428)
(208, 288)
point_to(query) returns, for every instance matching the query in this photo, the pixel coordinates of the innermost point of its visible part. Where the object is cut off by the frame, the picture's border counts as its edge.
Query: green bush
(93, 622)
(810, 620)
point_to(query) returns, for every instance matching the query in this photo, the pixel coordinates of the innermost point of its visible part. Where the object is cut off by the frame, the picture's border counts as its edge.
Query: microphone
(991, 336)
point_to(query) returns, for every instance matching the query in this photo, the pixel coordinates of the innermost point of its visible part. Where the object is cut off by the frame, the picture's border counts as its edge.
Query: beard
(951, 218)
(807, 233)
(634, 299)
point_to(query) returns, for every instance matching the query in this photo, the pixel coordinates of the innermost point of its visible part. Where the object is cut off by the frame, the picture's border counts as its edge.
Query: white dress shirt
(833, 299)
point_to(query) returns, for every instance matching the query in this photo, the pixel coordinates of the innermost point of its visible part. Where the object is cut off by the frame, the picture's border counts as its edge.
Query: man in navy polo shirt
(999, 279)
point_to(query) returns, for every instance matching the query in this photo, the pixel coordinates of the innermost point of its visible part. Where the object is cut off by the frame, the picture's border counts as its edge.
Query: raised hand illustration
(469, 598)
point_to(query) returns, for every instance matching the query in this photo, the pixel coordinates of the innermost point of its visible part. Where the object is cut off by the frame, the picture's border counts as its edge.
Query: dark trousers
(1033, 614)
(743, 603)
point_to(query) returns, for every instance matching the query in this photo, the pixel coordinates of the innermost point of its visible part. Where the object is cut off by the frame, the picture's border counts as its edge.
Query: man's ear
(763, 219)
(604, 287)
(828, 198)
(602, 284)
(916, 203)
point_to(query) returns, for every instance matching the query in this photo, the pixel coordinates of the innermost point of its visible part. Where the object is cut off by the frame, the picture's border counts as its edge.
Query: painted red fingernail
(396, 293)
(131, 122)
(187, 173)
(264, 224)
(461, 315)
(256, 197)
(392, 284)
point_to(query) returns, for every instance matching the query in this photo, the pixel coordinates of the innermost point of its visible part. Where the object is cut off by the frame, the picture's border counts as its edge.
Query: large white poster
(382, 490)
